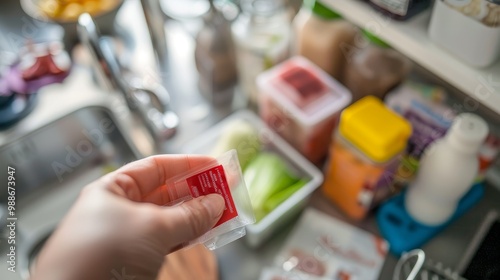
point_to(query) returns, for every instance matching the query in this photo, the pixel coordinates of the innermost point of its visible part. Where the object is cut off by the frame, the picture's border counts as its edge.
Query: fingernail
(214, 204)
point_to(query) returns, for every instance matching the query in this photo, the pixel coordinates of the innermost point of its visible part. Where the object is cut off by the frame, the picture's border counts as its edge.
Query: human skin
(118, 227)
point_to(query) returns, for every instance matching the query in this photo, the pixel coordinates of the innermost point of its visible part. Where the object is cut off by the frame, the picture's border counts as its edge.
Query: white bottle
(447, 171)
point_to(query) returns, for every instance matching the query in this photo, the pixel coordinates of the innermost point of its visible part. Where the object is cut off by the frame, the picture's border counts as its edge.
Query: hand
(118, 229)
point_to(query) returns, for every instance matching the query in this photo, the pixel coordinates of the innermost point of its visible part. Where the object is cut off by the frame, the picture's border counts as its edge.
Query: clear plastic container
(258, 233)
(470, 30)
(302, 103)
(262, 35)
(222, 176)
(365, 155)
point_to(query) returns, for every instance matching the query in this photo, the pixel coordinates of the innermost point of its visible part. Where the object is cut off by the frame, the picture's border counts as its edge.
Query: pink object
(302, 103)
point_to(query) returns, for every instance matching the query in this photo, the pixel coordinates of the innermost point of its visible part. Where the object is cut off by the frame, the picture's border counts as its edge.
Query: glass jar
(374, 69)
(262, 37)
(321, 35)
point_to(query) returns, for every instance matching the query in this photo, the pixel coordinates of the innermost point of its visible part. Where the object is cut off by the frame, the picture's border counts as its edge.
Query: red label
(213, 181)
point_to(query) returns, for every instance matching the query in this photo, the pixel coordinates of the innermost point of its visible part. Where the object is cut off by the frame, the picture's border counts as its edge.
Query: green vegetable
(243, 137)
(278, 198)
(265, 176)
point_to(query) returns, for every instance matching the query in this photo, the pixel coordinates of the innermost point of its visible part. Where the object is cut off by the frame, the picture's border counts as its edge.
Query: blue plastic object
(404, 233)
(15, 107)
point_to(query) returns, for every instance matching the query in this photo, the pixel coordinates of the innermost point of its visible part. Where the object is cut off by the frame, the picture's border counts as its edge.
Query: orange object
(364, 156)
(66, 11)
(349, 179)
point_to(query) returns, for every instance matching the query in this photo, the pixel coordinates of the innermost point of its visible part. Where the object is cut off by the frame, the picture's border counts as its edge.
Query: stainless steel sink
(58, 150)
(79, 131)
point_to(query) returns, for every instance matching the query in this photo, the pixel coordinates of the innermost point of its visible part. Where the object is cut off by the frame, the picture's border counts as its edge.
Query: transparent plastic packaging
(222, 176)
(302, 103)
(323, 247)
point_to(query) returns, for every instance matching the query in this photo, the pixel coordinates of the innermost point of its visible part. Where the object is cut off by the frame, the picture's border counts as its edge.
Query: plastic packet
(222, 176)
(325, 247)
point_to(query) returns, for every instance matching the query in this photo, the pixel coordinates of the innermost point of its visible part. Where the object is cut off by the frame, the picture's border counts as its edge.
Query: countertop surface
(236, 260)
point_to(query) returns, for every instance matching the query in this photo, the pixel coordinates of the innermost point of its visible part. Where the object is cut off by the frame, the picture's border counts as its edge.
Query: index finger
(141, 180)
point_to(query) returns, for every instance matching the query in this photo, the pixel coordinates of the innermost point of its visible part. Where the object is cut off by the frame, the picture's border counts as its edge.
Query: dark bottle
(215, 58)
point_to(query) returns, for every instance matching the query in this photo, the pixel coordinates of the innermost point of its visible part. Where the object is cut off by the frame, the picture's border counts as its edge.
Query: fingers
(192, 219)
(140, 178)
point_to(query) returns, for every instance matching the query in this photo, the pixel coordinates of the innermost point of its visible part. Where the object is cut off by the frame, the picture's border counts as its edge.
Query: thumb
(193, 218)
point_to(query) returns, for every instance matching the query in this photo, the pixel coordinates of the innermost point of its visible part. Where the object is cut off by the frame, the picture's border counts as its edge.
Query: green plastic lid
(376, 40)
(321, 10)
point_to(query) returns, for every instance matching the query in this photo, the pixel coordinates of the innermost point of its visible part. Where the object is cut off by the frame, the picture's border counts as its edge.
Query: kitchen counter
(236, 260)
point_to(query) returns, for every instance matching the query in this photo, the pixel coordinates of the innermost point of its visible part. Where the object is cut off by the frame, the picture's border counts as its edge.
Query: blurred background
(372, 127)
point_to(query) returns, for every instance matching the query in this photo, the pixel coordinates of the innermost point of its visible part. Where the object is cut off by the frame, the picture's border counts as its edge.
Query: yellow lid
(374, 129)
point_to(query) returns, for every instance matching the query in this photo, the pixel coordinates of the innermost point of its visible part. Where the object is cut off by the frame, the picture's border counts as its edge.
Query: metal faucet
(141, 98)
(155, 22)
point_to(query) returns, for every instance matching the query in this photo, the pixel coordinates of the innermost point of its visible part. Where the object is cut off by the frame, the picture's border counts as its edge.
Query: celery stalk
(278, 198)
(266, 175)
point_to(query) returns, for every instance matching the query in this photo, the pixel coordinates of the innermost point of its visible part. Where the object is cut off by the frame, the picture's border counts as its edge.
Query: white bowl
(299, 165)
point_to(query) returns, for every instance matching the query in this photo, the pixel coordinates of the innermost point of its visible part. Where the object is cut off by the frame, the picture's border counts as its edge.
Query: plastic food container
(365, 155)
(302, 103)
(300, 166)
(470, 39)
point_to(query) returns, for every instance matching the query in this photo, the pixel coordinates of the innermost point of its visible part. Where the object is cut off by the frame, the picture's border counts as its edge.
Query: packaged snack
(222, 176)
(324, 247)
(424, 106)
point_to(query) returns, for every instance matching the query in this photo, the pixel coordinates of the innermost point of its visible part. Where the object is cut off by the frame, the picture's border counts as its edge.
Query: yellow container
(364, 156)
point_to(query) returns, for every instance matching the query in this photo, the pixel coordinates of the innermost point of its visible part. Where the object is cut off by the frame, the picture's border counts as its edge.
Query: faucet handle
(160, 120)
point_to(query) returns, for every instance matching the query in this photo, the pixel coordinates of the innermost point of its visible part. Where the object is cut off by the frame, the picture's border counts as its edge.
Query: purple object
(424, 133)
(16, 83)
(4, 87)
(35, 85)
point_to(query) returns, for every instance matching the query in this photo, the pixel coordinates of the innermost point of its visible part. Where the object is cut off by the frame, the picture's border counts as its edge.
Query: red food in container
(302, 103)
